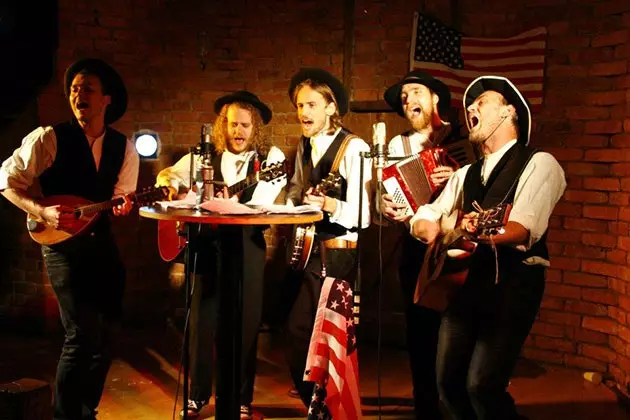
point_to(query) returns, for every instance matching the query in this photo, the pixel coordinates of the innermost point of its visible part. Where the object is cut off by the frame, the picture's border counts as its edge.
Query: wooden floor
(143, 381)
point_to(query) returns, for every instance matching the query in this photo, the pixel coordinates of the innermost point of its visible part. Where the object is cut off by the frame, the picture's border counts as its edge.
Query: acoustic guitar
(445, 267)
(299, 251)
(172, 235)
(85, 214)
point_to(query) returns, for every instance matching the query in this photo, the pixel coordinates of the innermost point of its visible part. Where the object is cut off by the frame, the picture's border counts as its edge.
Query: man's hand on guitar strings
(124, 208)
(426, 230)
(320, 201)
(59, 217)
(392, 210)
(226, 194)
(441, 175)
(469, 222)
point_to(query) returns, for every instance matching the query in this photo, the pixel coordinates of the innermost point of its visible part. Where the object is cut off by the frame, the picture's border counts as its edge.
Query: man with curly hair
(240, 150)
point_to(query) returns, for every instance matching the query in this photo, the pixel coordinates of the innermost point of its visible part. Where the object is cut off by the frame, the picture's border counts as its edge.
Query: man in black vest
(321, 101)
(240, 150)
(424, 101)
(85, 158)
(489, 318)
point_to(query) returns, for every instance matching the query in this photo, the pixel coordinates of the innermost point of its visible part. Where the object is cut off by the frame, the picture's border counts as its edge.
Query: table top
(194, 216)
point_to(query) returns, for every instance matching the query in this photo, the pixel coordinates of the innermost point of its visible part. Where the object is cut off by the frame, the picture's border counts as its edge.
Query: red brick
(587, 113)
(610, 7)
(617, 285)
(602, 183)
(621, 169)
(555, 249)
(581, 251)
(611, 38)
(553, 303)
(597, 169)
(619, 228)
(624, 302)
(567, 71)
(548, 343)
(623, 82)
(585, 196)
(599, 239)
(607, 155)
(626, 126)
(601, 212)
(599, 296)
(605, 98)
(583, 279)
(585, 308)
(622, 51)
(543, 356)
(597, 267)
(567, 209)
(588, 336)
(617, 256)
(560, 318)
(624, 333)
(602, 324)
(598, 353)
(618, 315)
(603, 127)
(592, 55)
(562, 235)
(587, 225)
(611, 68)
(623, 242)
(619, 199)
(584, 363)
(624, 214)
(548, 330)
(587, 141)
(563, 291)
(563, 263)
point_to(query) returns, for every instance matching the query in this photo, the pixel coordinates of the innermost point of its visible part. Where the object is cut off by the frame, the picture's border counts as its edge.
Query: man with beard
(85, 158)
(321, 101)
(423, 101)
(489, 318)
(240, 148)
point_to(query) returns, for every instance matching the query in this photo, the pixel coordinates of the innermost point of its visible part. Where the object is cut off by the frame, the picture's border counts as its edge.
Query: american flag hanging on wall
(332, 356)
(458, 60)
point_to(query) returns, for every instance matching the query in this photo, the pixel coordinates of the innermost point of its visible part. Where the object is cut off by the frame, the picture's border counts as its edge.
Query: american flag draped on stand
(332, 356)
(457, 60)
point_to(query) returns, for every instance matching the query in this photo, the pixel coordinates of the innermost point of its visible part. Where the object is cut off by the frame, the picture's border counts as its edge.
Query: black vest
(247, 193)
(325, 228)
(73, 171)
(501, 187)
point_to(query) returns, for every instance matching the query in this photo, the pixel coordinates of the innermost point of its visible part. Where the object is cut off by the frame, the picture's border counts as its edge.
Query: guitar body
(45, 234)
(300, 250)
(171, 240)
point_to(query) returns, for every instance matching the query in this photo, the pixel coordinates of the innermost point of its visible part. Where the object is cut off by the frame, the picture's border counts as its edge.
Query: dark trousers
(422, 328)
(88, 278)
(208, 304)
(340, 263)
(481, 336)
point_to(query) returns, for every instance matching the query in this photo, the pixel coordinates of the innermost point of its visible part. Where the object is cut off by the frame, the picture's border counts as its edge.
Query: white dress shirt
(37, 153)
(233, 168)
(417, 142)
(539, 188)
(347, 212)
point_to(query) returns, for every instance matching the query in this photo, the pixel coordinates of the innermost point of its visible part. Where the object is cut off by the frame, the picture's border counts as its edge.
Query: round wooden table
(228, 333)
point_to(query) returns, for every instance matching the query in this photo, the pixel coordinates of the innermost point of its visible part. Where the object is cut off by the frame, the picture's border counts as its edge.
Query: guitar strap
(341, 152)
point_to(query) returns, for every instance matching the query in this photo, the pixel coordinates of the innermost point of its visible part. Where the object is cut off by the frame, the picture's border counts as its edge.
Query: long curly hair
(257, 141)
(324, 90)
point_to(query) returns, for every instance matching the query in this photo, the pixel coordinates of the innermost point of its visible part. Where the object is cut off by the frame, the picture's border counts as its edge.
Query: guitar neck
(105, 205)
(242, 185)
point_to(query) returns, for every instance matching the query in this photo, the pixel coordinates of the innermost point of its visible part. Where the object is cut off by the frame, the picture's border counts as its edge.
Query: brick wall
(178, 57)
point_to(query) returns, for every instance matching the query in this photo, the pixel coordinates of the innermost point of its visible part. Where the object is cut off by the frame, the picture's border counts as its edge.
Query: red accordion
(409, 180)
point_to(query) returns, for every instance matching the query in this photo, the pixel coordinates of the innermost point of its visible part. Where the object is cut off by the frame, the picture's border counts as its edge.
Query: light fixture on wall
(147, 144)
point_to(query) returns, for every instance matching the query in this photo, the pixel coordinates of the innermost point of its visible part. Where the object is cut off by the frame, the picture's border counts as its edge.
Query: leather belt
(336, 243)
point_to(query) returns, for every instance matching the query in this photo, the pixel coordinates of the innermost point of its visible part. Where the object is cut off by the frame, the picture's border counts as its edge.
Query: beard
(421, 121)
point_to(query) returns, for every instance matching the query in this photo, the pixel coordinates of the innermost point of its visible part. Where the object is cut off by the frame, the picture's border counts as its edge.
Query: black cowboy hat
(247, 97)
(321, 76)
(110, 80)
(392, 94)
(511, 94)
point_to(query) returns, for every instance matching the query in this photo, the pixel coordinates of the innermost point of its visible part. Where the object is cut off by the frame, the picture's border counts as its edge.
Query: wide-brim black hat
(321, 76)
(392, 94)
(110, 80)
(246, 97)
(511, 94)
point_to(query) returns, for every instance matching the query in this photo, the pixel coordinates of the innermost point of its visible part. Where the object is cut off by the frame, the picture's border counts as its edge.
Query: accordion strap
(341, 152)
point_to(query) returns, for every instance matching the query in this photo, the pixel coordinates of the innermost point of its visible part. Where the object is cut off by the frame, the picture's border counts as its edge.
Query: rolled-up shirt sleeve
(539, 189)
(128, 175)
(448, 201)
(35, 154)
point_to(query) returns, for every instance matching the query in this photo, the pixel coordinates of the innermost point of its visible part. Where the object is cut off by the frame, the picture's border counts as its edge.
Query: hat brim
(263, 110)
(321, 76)
(392, 94)
(111, 81)
(509, 91)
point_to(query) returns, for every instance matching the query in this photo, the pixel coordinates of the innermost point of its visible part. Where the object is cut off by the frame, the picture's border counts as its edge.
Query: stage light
(147, 144)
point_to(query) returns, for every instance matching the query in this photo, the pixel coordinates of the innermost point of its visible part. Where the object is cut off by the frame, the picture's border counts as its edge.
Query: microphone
(378, 138)
(207, 171)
